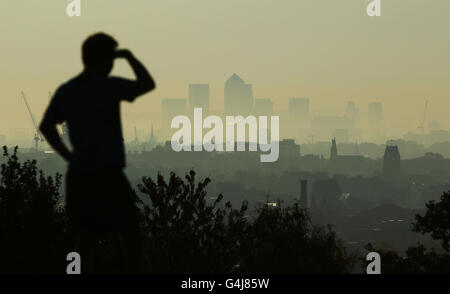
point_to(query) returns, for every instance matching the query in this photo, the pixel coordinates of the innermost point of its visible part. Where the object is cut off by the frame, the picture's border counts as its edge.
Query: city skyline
(353, 123)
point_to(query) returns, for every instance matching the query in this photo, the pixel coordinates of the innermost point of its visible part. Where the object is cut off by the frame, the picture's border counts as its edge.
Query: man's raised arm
(144, 79)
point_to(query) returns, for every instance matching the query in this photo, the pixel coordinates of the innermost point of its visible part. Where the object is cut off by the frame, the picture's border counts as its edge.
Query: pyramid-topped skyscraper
(238, 97)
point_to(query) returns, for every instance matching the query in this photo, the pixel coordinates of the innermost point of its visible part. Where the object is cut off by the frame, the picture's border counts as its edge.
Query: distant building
(342, 135)
(238, 96)
(151, 143)
(391, 162)
(199, 97)
(333, 150)
(345, 163)
(439, 136)
(330, 122)
(352, 113)
(263, 107)
(152, 140)
(375, 117)
(324, 127)
(299, 111)
(288, 149)
(434, 136)
(326, 195)
(289, 154)
(375, 114)
(172, 108)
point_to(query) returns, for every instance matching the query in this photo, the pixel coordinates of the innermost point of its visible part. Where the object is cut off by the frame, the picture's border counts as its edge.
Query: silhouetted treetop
(436, 220)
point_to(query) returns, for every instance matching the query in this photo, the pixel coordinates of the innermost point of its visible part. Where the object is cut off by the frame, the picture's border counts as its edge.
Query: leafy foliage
(31, 224)
(419, 259)
(436, 221)
(186, 233)
(283, 240)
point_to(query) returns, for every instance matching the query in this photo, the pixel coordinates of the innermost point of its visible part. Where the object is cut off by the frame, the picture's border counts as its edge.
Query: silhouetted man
(99, 198)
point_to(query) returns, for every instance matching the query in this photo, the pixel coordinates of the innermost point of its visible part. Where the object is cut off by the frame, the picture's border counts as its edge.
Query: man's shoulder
(69, 85)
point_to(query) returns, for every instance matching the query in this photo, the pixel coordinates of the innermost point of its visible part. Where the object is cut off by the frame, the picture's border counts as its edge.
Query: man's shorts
(100, 201)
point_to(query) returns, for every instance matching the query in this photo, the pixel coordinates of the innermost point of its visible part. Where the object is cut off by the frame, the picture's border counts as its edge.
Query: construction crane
(422, 124)
(37, 135)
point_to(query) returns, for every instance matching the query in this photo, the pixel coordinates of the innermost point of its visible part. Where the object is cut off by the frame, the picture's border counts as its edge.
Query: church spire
(333, 151)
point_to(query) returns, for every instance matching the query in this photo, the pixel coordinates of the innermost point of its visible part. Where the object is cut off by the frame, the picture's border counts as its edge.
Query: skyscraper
(199, 97)
(375, 115)
(238, 96)
(172, 108)
(351, 112)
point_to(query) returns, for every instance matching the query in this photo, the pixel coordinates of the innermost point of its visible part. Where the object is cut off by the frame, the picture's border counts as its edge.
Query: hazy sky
(327, 50)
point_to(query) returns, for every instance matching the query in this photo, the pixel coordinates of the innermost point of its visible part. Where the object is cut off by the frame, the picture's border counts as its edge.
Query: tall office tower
(172, 108)
(238, 97)
(352, 113)
(199, 97)
(299, 111)
(391, 162)
(263, 107)
(375, 115)
(152, 139)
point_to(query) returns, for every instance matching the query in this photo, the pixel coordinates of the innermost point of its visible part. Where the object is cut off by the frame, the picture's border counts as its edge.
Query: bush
(436, 221)
(32, 227)
(186, 233)
(189, 235)
(419, 259)
(283, 240)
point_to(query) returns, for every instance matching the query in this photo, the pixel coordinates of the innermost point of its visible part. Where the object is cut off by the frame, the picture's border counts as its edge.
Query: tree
(32, 226)
(283, 240)
(436, 221)
(186, 233)
(419, 259)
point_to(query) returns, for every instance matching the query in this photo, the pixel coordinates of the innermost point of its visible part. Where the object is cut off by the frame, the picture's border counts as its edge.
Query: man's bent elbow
(148, 87)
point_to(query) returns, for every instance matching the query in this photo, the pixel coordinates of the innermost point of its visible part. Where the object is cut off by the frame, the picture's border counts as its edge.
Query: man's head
(98, 53)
